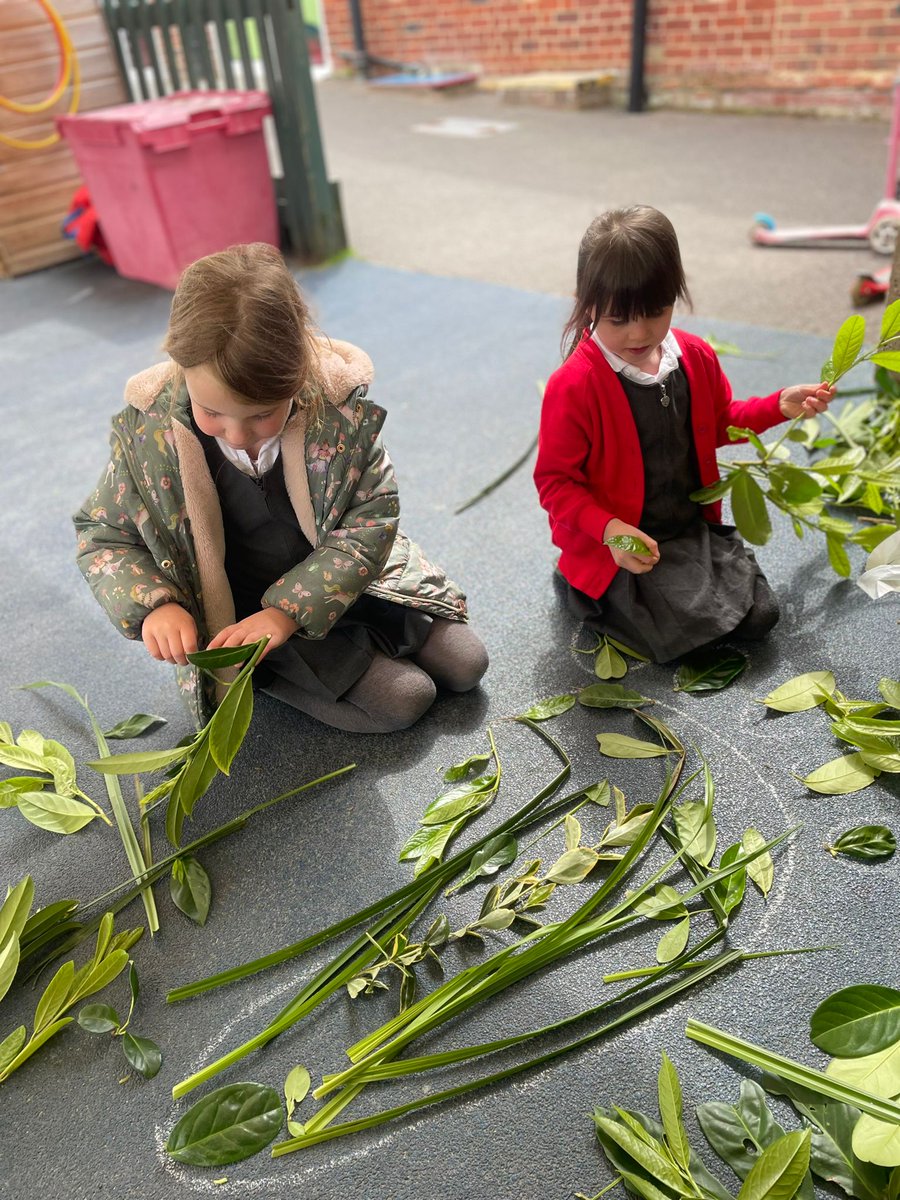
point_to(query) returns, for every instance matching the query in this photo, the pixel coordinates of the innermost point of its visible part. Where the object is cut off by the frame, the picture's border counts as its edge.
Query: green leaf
(715, 491)
(573, 866)
(802, 692)
(428, 843)
(670, 1107)
(840, 464)
(873, 1140)
(15, 908)
(738, 433)
(890, 689)
(228, 1125)
(12, 788)
(34, 1043)
(546, 709)
(748, 506)
(144, 1055)
(794, 485)
(194, 780)
(53, 1001)
(663, 905)
(889, 359)
(460, 801)
(476, 763)
(780, 1169)
(865, 842)
(609, 663)
(629, 650)
(761, 870)
(709, 669)
(103, 973)
(611, 695)
(696, 830)
(629, 543)
(98, 1018)
(55, 813)
(230, 723)
(190, 888)
(133, 727)
(740, 1132)
(650, 1157)
(731, 890)
(857, 1021)
(848, 343)
(840, 777)
(225, 656)
(296, 1087)
(890, 322)
(619, 745)
(9, 962)
(499, 852)
(837, 555)
(878, 1073)
(10, 1047)
(673, 941)
(139, 762)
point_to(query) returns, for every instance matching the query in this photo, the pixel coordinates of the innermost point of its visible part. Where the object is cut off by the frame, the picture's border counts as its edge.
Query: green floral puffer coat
(152, 531)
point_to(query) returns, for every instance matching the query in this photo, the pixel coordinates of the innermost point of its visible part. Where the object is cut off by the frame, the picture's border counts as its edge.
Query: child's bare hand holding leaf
(170, 633)
(805, 399)
(632, 550)
(272, 623)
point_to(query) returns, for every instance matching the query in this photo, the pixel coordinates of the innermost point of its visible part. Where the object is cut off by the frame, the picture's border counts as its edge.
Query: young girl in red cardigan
(629, 429)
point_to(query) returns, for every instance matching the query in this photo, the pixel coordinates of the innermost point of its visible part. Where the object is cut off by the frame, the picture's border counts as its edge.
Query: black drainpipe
(361, 56)
(636, 92)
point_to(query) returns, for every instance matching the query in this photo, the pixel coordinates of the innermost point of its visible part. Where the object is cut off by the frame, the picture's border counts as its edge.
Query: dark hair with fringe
(629, 265)
(240, 313)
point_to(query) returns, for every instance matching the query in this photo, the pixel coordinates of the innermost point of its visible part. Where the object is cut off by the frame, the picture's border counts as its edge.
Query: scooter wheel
(764, 220)
(883, 235)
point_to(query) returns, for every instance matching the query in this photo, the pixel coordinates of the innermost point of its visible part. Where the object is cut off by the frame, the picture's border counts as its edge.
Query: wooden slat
(38, 44)
(49, 201)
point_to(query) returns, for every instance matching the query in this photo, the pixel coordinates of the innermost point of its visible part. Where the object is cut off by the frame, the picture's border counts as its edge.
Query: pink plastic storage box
(176, 178)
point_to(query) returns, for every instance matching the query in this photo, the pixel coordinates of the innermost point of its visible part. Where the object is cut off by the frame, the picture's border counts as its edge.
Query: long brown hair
(629, 265)
(240, 313)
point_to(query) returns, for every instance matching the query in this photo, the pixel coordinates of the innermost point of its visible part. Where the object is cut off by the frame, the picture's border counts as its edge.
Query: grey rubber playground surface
(457, 366)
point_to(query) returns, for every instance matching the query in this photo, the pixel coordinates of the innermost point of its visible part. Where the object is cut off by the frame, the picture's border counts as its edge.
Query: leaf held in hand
(629, 543)
(228, 1125)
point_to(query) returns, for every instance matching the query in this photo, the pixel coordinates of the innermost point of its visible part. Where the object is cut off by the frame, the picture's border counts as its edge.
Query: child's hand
(805, 399)
(637, 564)
(268, 622)
(170, 633)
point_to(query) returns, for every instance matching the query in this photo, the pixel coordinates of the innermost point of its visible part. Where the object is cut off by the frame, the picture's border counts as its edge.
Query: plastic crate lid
(181, 108)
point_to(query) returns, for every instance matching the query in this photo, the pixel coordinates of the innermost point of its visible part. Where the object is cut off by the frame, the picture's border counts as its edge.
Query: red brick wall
(801, 55)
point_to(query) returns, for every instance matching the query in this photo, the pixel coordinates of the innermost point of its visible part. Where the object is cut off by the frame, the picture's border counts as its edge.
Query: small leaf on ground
(709, 669)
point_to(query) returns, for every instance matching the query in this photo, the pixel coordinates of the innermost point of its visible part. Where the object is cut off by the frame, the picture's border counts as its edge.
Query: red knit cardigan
(589, 467)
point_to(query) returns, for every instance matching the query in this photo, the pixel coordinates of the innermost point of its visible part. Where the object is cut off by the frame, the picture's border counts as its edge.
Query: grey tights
(394, 692)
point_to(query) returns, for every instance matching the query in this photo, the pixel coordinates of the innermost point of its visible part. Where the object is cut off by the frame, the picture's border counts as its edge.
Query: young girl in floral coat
(249, 495)
(629, 428)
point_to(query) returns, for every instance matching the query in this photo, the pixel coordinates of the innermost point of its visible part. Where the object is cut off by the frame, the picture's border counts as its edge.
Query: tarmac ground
(458, 291)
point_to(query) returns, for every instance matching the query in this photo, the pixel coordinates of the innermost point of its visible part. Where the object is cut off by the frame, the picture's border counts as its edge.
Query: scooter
(880, 231)
(869, 289)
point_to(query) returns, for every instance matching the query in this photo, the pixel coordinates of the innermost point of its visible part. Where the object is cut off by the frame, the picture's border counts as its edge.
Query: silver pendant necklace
(664, 398)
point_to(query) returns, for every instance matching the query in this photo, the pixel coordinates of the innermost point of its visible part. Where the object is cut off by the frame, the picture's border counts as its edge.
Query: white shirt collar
(265, 459)
(671, 352)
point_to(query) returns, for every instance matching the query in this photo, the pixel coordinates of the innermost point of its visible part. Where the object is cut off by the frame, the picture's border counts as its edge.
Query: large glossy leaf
(873, 1140)
(619, 745)
(865, 842)
(190, 888)
(552, 707)
(143, 1054)
(230, 723)
(748, 506)
(740, 1132)
(104, 972)
(878, 1073)
(890, 689)
(98, 1018)
(802, 692)
(459, 801)
(228, 1125)
(55, 813)
(840, 777)
(224, 656)
(133, 727)
(779, 1170)
(611, 695)
(709, 669)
